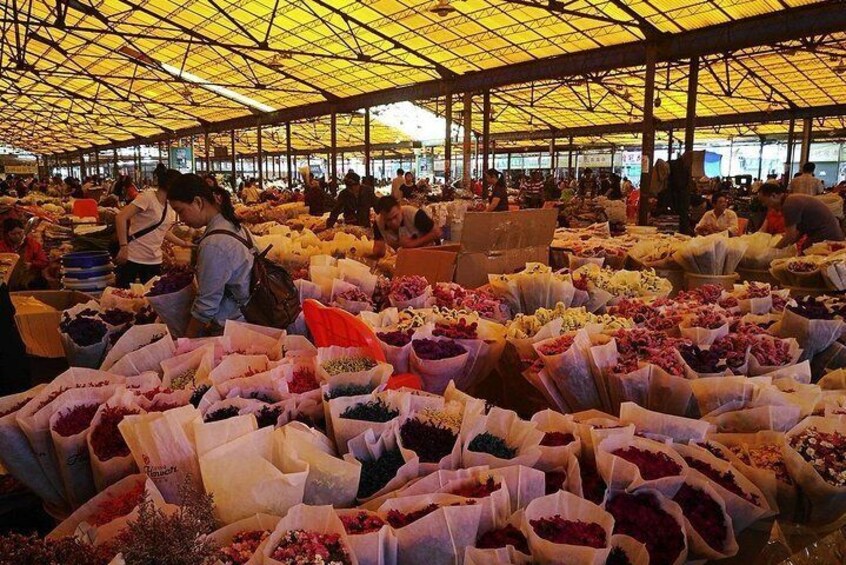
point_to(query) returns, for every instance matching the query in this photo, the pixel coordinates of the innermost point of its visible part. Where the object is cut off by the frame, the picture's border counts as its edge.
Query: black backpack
(274, 300)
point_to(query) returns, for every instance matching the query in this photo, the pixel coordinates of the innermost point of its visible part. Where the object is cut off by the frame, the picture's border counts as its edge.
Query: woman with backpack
(224, 261)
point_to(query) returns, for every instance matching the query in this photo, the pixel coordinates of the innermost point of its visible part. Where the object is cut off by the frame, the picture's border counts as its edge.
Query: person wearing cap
(354, 202)
(402, 226)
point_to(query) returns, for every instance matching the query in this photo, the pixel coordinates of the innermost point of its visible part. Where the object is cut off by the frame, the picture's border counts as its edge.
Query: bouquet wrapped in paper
(17, 456)
(163, 447)
(241, 541)
(245, 481)
(813, 454)
(331, 480)
(33, 419)
(370, 537)
(566, 361)
(563, 528)
(801, 272)
(560, 440)
(676, 428)
(500, 439)
(708, 525)
(108, 452)
(250, 339)
(106, 515)
(386, 465)
(638, 516)
(351, 416)
(306, 534)
(759, 457)
(432, 528)
(141, 348)
(715, 254)
(632, 462)
(85, 338)
(812, 324)
(744, 502)
(171, 296)
(761, 251)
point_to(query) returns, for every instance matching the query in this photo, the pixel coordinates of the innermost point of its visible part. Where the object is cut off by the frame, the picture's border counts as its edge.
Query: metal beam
(701, 122)
(234, 161)
(259, 158)
(816, 19)
(333, 144)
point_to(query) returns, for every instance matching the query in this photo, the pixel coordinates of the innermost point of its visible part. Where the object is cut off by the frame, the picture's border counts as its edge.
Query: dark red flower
(509, 535)
(652, 464)
(557, 439)
(640, 516)
(571, 532)
(704, 514)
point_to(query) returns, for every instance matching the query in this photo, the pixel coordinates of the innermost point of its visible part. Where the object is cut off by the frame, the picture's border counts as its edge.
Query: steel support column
(367, 142)
(81, 167)
(288, 154)
(669, 145)
(486, 140)
(97, 162)
(117, 167)
(570, 158)
(333, 137)
(448, 139)
(384, 172)
(468, 110)
(208, 152)
(234, 160)
(805, 152)
(552, 155)
(690, 116)
(259, 157)
(648, 134)
(788, 165)
(761, 159)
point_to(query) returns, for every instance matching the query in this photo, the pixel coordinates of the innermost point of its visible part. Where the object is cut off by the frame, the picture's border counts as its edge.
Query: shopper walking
(806, 183)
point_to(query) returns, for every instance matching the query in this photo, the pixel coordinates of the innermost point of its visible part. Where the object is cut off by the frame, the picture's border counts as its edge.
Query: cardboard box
(436, 263)
(502, 242)
(491, 243)
(39, 328)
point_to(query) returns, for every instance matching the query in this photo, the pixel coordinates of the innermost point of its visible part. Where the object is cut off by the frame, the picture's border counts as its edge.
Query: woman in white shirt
(719, 219)
(141, 228)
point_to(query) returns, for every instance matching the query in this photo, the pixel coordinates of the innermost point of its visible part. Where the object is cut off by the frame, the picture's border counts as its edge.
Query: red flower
(362, 523)
(704, 514)
(477, 489)
(509, 535)
(570, 532)
(640, 516)
(118, 506)
(554, 481)
(652, 464)
(302, 381)
(557, 439)
(75, 420)
(725, 480)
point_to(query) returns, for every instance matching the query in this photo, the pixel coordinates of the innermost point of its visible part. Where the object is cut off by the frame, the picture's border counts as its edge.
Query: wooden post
(761, 158)
(234, 160)
(788, 165)
(570, 158)
(447, 139)
(208, 152)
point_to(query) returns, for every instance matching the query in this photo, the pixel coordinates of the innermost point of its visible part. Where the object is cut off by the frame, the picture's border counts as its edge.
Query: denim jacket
(224, 266)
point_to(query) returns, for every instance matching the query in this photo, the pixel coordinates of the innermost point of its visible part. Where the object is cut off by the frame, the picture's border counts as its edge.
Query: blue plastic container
(86, 259)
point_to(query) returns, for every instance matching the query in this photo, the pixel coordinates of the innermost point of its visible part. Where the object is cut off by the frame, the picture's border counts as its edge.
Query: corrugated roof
(83, 72)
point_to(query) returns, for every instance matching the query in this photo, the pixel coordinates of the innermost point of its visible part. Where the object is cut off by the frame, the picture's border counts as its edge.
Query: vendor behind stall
(804, 216)
(498, 198)
(719, 219)
(354, 202)
(402, 226)
(31, 253)
(224, 262)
